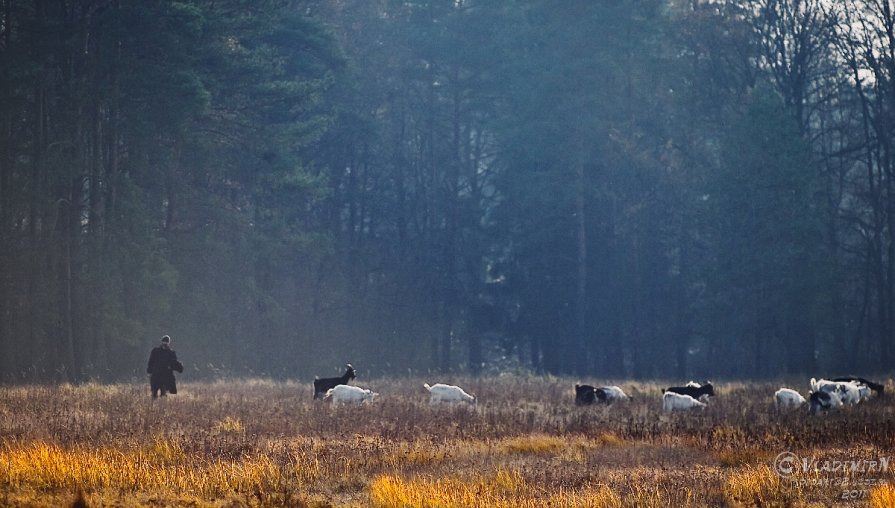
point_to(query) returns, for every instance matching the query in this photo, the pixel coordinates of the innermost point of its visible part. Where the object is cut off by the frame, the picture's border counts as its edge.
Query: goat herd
(823, 396)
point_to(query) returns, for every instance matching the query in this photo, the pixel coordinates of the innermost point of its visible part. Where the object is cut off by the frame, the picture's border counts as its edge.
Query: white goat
(818, 384)
(448, 393)
(674, 402)
(787, 398)
(347, 394)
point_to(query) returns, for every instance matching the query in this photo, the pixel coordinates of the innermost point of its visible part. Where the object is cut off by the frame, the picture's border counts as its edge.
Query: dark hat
(166, 339)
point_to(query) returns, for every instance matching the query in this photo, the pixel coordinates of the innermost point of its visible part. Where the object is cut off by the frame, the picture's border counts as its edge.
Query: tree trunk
(580, 346)
(72, 369)
(446, 334)
(476, 359)
(682, 305)
(6, 256)
(34, 248)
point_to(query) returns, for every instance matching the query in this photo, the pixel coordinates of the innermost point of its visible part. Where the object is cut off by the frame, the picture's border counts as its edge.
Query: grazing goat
(697, 392)
(672, 401)
(787, 398)
(587, 394)
(447, 393)
(345, 394)
(321, 386)
(822, 401)
(876, 387)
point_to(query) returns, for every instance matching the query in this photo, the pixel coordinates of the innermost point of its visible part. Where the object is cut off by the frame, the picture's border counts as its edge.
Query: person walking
(162, 365)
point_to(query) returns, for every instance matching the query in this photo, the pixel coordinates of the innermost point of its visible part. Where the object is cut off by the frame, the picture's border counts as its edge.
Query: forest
(617, 189)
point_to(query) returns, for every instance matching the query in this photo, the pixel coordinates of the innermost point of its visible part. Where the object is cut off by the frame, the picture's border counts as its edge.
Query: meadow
(252, 442)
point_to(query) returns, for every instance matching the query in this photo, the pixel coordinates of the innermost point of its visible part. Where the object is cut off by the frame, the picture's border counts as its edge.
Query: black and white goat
(848, 392)
(698, 392)
(823, 401)
(321, 386)
(586, 395)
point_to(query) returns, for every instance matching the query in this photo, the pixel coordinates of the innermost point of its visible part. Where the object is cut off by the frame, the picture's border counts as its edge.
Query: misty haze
(447, 252)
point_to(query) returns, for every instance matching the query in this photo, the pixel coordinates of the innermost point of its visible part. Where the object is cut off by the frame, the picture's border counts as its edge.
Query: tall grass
(264, 443)
(503, 489)
(882, 497)
(160, 468)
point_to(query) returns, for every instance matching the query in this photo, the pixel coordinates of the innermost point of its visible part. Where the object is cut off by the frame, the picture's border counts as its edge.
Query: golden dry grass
(882, 496)
(264, 443)
(503, 489)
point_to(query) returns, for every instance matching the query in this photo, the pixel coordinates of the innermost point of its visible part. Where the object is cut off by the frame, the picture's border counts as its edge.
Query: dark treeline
(617, 188)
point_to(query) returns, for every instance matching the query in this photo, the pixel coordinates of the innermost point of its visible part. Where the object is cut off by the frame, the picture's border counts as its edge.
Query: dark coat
(585, 395)
(162, 365)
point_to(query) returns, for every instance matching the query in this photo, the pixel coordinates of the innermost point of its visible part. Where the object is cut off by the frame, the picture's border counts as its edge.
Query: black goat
(693, 391)
(878, 388)
(321, 386)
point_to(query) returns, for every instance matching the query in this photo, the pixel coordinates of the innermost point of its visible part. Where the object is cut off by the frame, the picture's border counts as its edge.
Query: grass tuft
(503, 489)
(229, 425)
(755, 486)
(609, 439)
(882, 496)
(535, 444)
(743, 457)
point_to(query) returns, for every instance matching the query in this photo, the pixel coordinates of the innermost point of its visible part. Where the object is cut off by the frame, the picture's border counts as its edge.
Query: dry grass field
(265, 443)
